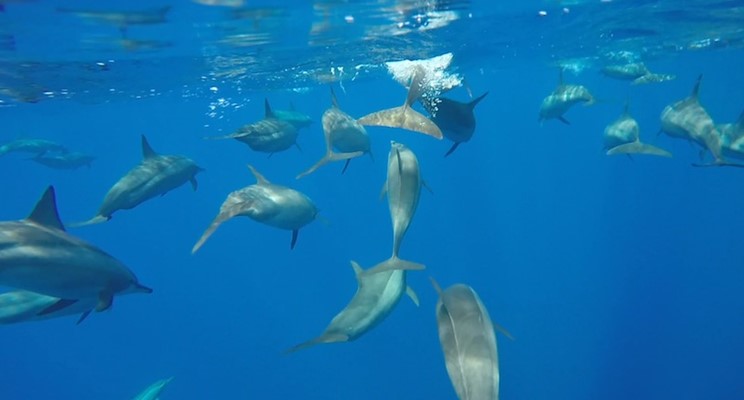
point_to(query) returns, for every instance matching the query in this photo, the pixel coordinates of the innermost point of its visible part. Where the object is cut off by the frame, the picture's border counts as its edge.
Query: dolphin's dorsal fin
(259, 178)
(696, 88)
(45, 213)
(417, 86)
(357, 269)
(147, 151)
(334, 100)
(475, 102)
(436, 285)
(267, 109)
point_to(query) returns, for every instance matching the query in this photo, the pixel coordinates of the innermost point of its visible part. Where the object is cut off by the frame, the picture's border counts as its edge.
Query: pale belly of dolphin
(277, 206)
(269, 135)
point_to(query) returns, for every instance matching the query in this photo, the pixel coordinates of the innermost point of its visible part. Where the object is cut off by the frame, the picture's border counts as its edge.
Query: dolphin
(24, 306)
(623, 137)
(404, 116)
(732, 138)
(376, 296)
(403, 187)
(342, 132)
(265, 202)
(153, 391)
(155, 175)
(636, 72)
(455, 119)
(468, 342)
(687, 119)
(36, 146)
(269, 135)
(36, 254)
(562, 99)
(294, 117)
(70, 160)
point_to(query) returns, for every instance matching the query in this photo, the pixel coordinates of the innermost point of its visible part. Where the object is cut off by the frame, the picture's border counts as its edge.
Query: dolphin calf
(265, 202)
(154, 176)
(403, 188)
(70, 160)
(455, 119)
(468, 341)
(24, 306)
(376, 296)
(623, 137)
(269, 135)
(732, 138)
(37, 146)
(687, 119)
(36, 254)
(341, 132)
(153, 391)
(636, 72)
(562, 99)
(404, 116)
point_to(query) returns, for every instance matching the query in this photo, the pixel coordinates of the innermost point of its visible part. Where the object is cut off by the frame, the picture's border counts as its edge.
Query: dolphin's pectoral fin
(330, 157)
(346, 165)
(324, 338)
(437, 288)
(395, 263)
(412, 295)
(210, 230)
(294, 238)
(426, 186)
(499, 328)
(105, 301)
(58, 305)
(83, 316)
(564, 120)
(194, 183)
(452, 149)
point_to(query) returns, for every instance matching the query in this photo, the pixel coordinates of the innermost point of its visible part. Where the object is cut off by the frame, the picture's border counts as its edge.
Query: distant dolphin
(403, 188)
(37, 146)
(636, 72)
(732, 138)
(70, 160)
(623, 137)
(154, 176)
(455, 119)
(687, 119)
(294, 117)
(153, 391)
(265, 202)
(562, 99)
(24, 306)
(342, 132)
(36, 254)
(404, 116)
(269, 135)
(376, 296)
(468, 341)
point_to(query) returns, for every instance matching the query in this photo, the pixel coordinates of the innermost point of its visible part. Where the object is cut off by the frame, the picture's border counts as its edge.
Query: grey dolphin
(468, 342)
(70, 160)
(403, 188)
(36, 254)
(294, 117)
(342, 132)
(455, 119)
(269, 135)
(153, 391)
(623, 137)
(636, 72)
(732, 138)
(37, 146)
(376, 296)
(265, 202)
(155, 175)
(404, 116)
(687, 119)
(24, 306)
(562, 99)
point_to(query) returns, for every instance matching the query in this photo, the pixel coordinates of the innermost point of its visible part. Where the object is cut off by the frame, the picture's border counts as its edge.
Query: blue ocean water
(618, 277)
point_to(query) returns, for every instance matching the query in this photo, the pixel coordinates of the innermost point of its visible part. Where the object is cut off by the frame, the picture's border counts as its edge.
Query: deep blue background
(619, 278)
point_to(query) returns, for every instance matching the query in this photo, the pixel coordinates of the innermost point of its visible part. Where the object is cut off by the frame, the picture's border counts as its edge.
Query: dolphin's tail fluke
(394, 263)
(402, 117)
(324, 338)
(210, 230)
(328, 158)
(95, 220)
(638, 148)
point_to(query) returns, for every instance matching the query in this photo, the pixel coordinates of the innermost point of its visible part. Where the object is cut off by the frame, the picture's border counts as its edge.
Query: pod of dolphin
(55, 274)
